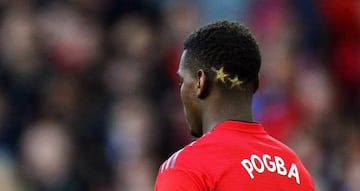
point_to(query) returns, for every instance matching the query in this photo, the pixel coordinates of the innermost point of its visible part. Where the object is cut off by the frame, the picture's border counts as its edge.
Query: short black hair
(225, 44)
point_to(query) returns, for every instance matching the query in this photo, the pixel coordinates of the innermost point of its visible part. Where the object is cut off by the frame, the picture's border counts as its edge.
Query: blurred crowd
(89, 99)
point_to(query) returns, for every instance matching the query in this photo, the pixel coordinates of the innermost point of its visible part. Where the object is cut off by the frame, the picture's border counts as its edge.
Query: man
(218, 74)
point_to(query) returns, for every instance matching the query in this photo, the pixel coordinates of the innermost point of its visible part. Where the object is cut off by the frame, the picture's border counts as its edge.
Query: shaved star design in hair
(220, 74)
(223, 77)
(235, 82)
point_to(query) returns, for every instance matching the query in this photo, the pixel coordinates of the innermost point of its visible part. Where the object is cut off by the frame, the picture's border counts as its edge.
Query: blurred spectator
(180, 18)
(130, 140)
(46, 154)
(133, 37)
(71, 40)
(19, 48)
(131, 129)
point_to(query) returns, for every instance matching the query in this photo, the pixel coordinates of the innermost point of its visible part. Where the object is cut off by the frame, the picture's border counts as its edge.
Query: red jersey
(234, 156)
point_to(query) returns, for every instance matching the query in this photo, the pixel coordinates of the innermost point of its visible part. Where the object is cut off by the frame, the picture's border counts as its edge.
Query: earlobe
(201, 84)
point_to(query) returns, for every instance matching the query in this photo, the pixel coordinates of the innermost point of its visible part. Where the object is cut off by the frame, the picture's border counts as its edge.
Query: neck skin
(218, 108)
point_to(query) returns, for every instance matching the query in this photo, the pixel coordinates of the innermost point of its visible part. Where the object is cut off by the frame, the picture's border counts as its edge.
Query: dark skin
(206, 104)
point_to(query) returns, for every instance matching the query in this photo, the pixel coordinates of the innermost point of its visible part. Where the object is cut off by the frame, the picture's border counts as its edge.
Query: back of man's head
(227, 52)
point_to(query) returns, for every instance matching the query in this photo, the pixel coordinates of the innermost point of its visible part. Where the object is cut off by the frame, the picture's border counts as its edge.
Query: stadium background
(89, 97)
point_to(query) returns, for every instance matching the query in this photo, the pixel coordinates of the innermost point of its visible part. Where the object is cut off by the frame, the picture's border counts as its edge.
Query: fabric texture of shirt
(234, 156)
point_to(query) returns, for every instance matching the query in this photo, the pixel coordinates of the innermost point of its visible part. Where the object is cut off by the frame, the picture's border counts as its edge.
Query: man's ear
(202, 84)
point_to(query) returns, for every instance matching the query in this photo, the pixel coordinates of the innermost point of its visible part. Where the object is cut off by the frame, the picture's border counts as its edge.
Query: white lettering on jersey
(293, 172)
(266, 162)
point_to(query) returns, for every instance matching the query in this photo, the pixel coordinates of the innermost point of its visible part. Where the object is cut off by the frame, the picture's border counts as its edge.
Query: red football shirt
(234, 156)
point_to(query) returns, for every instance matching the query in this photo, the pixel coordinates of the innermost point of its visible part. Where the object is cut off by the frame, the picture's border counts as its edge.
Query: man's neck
(222, 109)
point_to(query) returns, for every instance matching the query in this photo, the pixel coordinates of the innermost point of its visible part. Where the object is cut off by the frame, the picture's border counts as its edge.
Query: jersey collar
(241, 126)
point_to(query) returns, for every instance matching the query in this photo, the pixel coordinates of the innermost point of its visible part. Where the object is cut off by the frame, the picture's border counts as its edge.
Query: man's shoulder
(184, 158)
(183, 169)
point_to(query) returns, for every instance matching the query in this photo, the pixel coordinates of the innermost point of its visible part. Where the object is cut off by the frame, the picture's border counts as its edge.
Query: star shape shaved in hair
(220, 74)
(235, 82)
